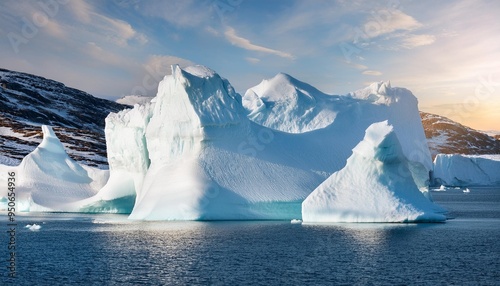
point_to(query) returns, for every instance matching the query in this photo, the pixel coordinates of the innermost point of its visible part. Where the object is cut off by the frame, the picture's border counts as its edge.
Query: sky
(446, 52)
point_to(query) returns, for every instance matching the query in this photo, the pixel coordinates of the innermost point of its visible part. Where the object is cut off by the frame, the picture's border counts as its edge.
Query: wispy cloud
(413, 41)
(111, 29)
(186, 13)
(102, 56)
(388, 21)
(399, 30)
(372, 72)
(160, 65)
(241, 42)
(252, 60)
(355, 65)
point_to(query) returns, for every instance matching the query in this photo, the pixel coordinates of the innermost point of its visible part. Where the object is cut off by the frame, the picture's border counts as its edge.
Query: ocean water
(76, 249)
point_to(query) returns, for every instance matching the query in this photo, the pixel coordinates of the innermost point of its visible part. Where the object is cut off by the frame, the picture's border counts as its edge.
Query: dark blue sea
(77, 249)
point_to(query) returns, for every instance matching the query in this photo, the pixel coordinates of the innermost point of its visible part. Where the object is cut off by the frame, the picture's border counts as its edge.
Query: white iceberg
(376, 185)
(128, 160)
(208, 161)
(49, 180)
(467, 170)
(33, 227)
(199, 151)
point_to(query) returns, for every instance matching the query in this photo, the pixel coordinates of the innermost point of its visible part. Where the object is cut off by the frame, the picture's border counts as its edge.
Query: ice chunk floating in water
(375, 186)
(467, 170)
(33, 227)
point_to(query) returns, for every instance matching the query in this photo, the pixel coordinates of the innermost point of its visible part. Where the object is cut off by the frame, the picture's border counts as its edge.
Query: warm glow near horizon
(448, 56)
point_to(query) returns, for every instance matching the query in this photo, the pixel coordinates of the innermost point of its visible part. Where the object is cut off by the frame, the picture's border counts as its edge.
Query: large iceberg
(200, 152)
(376, 185)
(467, 170)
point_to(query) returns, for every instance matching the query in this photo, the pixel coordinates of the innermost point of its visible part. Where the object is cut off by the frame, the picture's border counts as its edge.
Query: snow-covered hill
(28, 101)
(445, 136)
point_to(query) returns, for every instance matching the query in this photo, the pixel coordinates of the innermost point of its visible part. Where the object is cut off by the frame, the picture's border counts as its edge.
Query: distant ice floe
(33, 227)
(467, 170)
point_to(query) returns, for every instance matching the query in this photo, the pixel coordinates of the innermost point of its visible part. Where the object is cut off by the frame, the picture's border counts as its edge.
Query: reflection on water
(111, 250)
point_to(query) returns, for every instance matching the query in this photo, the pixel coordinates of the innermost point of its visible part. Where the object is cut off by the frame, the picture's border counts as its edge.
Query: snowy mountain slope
(19, 139)
(445, 136)
(28, 101)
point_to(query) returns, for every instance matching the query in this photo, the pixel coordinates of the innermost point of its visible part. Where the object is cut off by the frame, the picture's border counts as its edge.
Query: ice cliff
(376, 185)
(467, 170)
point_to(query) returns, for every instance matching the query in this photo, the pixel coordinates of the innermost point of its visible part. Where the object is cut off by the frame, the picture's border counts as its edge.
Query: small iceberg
(296, 221)
(33, 227)
(466, 190)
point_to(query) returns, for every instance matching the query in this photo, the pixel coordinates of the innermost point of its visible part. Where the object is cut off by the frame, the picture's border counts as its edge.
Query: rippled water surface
(74, 249)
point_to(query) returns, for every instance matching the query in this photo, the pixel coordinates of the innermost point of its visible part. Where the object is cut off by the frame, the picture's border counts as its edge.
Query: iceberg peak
(289, 105)
(376, 185)
(380, 143)
(50, 141)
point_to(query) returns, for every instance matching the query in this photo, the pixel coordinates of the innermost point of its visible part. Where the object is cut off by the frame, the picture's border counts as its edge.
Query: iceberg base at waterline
(376, 185)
